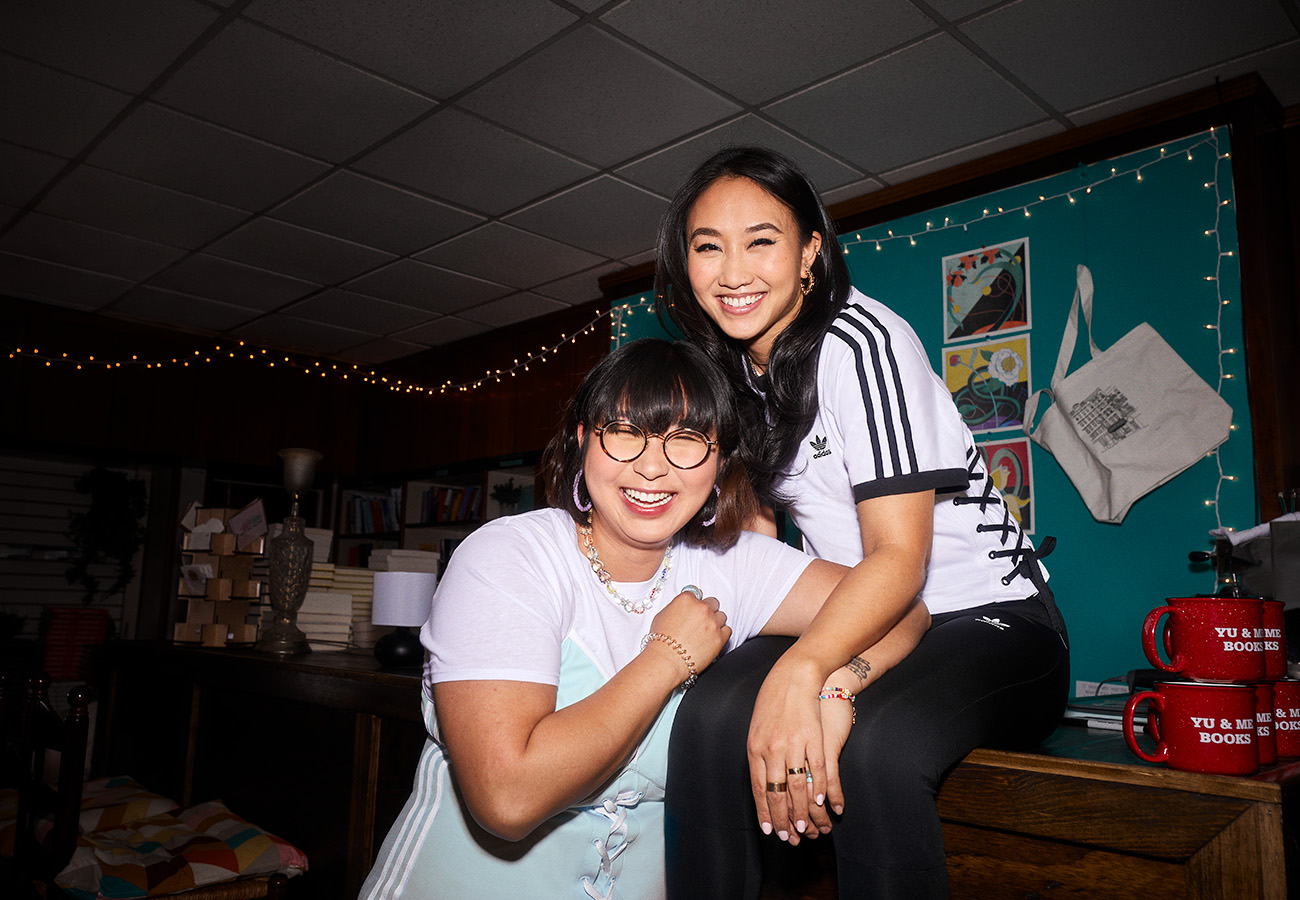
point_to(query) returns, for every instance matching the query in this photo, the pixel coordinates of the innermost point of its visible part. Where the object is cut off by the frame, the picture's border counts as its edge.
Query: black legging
(995, 675)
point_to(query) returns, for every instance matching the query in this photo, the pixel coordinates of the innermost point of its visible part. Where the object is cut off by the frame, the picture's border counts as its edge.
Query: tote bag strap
(1082, 299)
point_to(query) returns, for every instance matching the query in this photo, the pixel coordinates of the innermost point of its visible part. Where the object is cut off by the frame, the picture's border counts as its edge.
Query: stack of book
(360, 585)
(326, 618)
(384, 560)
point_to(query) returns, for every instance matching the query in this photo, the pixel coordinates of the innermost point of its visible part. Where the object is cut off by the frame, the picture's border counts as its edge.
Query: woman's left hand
(785, 733)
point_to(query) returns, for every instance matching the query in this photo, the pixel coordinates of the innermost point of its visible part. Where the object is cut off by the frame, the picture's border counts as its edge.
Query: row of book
(374, 513)
(439, 503)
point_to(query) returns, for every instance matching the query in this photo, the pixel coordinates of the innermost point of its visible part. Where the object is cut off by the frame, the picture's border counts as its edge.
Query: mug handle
(1149, 626)
(1157, 706)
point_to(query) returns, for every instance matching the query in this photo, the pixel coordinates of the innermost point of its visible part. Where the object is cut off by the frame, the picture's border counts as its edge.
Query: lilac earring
(717, 495)
(577, 501)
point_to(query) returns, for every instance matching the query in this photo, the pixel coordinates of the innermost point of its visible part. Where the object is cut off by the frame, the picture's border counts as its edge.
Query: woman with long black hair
(847, 429)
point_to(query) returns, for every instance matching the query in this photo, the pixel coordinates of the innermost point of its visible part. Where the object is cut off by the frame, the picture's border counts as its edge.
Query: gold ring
(776, 787)
(799, 771)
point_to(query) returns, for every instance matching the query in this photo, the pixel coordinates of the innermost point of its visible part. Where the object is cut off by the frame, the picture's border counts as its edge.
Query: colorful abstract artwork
(986, 291)
(1008, 465)
(989, 382)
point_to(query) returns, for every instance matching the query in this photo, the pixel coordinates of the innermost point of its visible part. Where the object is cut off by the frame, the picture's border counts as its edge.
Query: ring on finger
(799, 771)
(776, 787)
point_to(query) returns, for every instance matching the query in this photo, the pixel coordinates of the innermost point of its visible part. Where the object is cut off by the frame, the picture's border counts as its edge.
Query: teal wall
(1145, 241)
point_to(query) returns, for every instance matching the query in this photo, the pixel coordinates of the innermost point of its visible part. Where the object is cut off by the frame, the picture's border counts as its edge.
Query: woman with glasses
(849, 430)
(561, 641)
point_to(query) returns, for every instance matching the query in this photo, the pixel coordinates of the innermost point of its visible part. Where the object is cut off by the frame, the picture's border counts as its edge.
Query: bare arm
(519, 760)
(866, 605)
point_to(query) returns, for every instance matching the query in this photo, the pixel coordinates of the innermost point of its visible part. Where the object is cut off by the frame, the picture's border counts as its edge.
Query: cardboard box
(223, 544)
(242, 634)
(219, 589)
(214, 635)
(254, 544)
(237, 568)
(232, 612)
(185, 633)
(200, 612)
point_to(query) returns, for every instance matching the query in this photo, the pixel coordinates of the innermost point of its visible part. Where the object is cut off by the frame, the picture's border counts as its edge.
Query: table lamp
(402, 599)
(289, 556)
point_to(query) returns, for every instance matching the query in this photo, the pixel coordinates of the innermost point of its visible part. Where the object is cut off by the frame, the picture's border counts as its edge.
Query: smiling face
(638, 506)
(745, 259)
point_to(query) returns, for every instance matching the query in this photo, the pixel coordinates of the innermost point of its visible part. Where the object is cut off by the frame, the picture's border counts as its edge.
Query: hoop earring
(577, 501)
(806, 283)
(713, 517)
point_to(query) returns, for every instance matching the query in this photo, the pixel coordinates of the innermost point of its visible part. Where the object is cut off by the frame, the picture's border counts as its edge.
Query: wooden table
(320, 749)
(1082, 817)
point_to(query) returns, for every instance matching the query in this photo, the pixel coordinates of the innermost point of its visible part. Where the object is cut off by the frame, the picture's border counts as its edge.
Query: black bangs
(657, 385)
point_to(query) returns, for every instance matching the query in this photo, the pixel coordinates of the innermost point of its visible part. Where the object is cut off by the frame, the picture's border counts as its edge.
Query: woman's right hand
(699, 626)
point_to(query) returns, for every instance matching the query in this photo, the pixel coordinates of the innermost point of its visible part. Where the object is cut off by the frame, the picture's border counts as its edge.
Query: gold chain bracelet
(681, 651)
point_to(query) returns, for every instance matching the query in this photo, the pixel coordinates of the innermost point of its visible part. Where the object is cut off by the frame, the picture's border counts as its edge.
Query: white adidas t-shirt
(886, 424)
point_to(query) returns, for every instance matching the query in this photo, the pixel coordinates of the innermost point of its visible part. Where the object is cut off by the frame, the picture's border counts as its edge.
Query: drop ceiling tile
(25, 172)
(954, 10)
(50, 111)
(297, 252)
(581, 287)
(426, 287)
(1119, 46)
(945, 95)
(467, 161)
(69, 244)
(508, 255)
(606, 216)
(125, 44)
(440, 48)
(173, 150)
(358, 312)
(851, 191)
(175, 310)
(443, 331)
(979, 150)
(597, 98)
(230, 282)
(663, 172)
(34, 279)
(368, 212)
(756, 51)
(512, 309)
(98, 197)
(374, 353)
(285, 332)
(264, 85)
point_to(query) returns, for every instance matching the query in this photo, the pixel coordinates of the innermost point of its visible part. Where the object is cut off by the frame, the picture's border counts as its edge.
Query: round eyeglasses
(685, 448)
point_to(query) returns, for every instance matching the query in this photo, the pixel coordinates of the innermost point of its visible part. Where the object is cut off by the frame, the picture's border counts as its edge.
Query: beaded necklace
(598, 568)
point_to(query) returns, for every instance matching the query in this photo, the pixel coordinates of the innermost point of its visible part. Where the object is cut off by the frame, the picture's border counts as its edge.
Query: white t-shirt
(518, 587)
(886, 424)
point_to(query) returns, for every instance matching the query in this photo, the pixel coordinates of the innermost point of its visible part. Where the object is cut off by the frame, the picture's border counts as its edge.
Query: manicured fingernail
(800, 825)
(783, 835)
(839, 810)
(766, 827)
(820, 799)
(825, 829)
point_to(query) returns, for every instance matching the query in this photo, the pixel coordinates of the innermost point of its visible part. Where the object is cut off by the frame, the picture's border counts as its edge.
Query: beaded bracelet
(839, 693)
(681, 651)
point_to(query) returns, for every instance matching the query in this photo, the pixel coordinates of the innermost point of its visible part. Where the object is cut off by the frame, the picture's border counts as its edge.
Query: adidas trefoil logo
(819, 444)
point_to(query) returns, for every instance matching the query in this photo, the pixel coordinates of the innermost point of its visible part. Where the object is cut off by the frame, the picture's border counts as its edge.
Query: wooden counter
(320, 749)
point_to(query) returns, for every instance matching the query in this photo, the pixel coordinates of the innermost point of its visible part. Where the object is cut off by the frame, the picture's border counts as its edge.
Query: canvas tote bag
(1129, 419)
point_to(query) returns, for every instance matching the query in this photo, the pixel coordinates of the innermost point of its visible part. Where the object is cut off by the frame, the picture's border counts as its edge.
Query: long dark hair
(775, 425)
(656, 385)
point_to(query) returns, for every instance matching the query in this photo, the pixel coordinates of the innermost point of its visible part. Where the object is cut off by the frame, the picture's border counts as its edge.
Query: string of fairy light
(1187, 151)
(243, 351)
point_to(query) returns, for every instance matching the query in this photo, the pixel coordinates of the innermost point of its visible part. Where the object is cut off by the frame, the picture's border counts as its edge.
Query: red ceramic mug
(1208, 638)
(1265, 739)
(1199, 727)
(1286, 717)
(1274, 640)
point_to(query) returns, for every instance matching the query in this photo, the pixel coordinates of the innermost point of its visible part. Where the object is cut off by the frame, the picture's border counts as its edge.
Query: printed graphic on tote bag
(989, 382)
(986, 291)
(1106, 417)
(1008, 465)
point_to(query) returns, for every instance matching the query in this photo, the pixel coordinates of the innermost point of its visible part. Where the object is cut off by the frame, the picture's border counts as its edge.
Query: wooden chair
(39, 860)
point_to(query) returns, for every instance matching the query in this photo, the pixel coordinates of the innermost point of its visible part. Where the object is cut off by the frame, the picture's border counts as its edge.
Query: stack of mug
(1231, 708)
